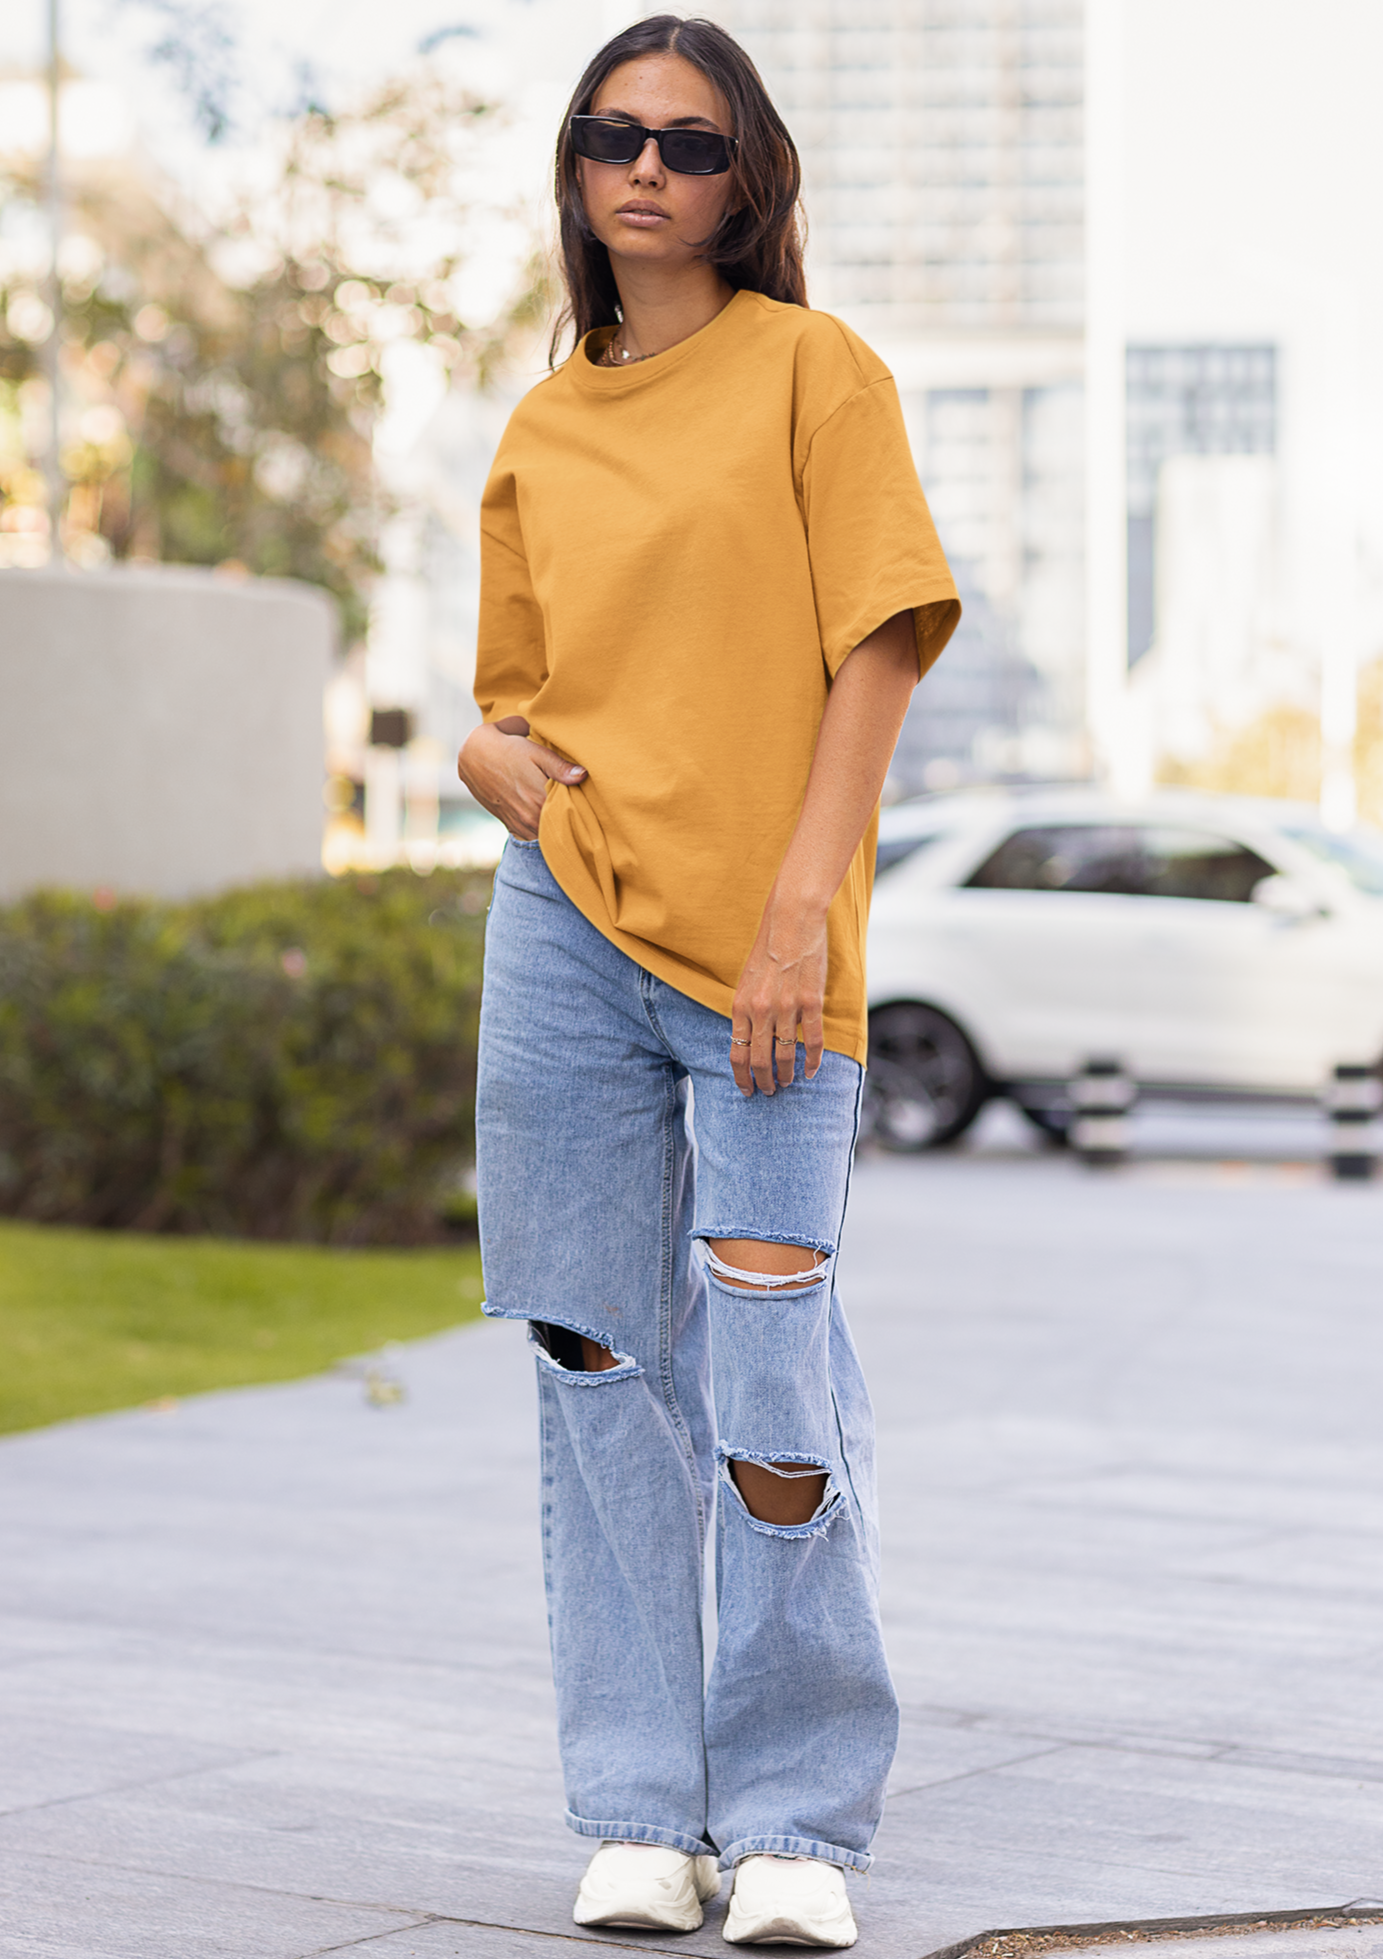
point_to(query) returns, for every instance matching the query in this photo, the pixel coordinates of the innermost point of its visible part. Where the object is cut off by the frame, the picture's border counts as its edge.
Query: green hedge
(283, 1061)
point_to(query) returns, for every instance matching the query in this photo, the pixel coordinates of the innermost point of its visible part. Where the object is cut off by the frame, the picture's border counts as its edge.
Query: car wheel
(925, 1085)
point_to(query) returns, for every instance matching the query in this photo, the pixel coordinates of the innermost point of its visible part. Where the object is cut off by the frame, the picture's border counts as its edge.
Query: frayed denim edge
(625, 1368)
(640, 1833)
(832, 1502)
(826, 1853)
(752, 1234)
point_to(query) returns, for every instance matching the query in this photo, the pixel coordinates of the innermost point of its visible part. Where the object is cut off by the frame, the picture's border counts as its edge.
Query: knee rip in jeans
(577, 1352)
(783, 1495)
(779, 1494)
(776, 1268)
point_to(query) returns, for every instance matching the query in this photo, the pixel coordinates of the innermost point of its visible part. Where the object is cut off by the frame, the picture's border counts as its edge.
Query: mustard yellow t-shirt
(676, 557)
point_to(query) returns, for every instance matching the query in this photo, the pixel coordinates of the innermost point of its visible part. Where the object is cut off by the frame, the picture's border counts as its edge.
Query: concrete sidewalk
(273, 1672)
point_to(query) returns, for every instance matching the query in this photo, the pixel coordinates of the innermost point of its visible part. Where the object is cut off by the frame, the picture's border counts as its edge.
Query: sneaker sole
(635, 1920)
(785, 1931)
(687, 1917)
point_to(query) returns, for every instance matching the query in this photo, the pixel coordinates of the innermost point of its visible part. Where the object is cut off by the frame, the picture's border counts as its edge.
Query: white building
(943, 172)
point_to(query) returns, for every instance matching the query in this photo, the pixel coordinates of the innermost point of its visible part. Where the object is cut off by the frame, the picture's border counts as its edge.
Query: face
(642, 210)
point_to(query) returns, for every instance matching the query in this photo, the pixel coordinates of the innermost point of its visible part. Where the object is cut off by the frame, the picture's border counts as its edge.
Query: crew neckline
(620, 380)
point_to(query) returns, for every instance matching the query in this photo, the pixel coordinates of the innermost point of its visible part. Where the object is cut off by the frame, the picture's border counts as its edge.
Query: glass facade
(941, 146)
(1186, 401)
(943, 174)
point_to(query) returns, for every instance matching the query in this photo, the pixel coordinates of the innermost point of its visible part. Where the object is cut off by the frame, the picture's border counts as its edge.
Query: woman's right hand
(508, 774)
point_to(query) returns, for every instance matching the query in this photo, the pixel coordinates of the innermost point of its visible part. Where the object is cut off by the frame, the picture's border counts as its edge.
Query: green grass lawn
(91, 1320)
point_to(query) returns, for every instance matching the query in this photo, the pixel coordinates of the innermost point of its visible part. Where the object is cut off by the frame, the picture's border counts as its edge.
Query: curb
(1017, 1942)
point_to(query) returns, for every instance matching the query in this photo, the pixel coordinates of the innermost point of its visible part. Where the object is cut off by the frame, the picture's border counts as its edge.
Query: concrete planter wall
(160, 730)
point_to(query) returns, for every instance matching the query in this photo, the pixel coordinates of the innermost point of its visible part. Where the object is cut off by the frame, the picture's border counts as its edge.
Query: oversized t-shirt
(676, 558)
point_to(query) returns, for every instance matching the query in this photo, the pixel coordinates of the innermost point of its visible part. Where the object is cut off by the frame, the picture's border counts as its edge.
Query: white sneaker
(645, 1885)
(789, 1901)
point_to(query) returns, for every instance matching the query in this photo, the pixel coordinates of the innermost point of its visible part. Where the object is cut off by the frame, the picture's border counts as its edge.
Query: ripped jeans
(598, 1174)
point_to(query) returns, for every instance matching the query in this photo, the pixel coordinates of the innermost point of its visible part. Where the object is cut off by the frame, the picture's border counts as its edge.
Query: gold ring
(785, 1040)
(736, 1042)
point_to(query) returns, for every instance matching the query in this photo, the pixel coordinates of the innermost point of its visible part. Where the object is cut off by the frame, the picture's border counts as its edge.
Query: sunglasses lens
(695, 152)
(605, 142)
(691, 152)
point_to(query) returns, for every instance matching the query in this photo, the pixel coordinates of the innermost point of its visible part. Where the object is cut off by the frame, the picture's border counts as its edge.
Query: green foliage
(284, 1061)
(96, 1320)
(221, 389)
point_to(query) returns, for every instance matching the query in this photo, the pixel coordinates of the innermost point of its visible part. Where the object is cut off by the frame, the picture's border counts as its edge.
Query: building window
(1186, 401)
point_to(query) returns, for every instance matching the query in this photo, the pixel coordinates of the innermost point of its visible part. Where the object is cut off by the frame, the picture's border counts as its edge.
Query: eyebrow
(678, 122)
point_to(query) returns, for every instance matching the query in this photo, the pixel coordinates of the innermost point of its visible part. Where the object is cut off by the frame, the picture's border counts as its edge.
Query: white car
(1206, 943)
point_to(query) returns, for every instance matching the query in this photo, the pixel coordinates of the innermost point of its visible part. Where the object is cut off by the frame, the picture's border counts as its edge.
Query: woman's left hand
(782, 988)
(783, 985)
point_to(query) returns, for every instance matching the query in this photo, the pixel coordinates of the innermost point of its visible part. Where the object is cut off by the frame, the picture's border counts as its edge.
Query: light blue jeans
(598, 1171)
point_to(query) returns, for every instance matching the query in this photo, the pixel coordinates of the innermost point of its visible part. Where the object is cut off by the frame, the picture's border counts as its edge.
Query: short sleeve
(511, 645)
(873, 547)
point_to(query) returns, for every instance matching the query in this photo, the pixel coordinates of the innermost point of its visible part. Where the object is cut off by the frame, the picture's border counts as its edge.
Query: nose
(647, 167)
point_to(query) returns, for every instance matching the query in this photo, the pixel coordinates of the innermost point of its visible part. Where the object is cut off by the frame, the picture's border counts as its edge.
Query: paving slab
(80, 1908)
(273, 1668)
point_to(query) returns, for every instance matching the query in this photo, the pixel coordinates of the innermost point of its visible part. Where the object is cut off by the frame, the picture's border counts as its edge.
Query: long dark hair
(757, 244)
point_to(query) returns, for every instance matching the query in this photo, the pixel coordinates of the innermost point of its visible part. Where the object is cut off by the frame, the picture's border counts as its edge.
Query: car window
(897, 850)
(1359, 856)
(1128, 860)
(1198, 864)
(1065, 857)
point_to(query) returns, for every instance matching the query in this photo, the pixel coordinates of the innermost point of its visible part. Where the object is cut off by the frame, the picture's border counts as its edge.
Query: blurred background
(272, 277)
(1120, 256)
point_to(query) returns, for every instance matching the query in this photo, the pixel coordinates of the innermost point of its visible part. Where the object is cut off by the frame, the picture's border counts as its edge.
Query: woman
(710, 584)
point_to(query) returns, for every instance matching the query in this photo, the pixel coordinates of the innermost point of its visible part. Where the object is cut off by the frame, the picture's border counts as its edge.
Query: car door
(1050, 925)
(1241, 995)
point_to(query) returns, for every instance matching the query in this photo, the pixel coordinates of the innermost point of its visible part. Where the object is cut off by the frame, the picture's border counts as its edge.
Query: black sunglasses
(690, 152)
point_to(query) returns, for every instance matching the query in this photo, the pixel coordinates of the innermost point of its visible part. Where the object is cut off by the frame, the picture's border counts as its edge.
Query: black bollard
(1351, 1101)
(1102, 1095)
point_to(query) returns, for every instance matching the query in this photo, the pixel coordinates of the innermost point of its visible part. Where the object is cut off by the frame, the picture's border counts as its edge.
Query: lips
(638, 209)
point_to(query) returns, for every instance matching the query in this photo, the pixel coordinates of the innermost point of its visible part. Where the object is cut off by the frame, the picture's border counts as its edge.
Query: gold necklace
(617, 356)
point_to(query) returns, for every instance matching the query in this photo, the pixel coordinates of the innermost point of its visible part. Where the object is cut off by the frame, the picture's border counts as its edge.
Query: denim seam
(650, 1012)
(835, 1405)
(546, 1479)
(640, 1833)
(826, 1853)
(667, 1263)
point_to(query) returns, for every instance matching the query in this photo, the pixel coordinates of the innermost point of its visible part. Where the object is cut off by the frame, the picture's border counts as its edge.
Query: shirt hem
(841, 1037)
(939, 591)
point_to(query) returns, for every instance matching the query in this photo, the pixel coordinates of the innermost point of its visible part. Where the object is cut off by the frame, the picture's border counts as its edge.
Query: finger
(761, 1054)
(813, 1039)
(785, 1054)
(523, 814)
(556, 767)
(528, 786)
(739, 1055)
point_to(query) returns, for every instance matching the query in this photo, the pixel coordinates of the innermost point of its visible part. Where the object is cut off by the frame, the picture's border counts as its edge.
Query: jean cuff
(640, 1833)
(826, 1853)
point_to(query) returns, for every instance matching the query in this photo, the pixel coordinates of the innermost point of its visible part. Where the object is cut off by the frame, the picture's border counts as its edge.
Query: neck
(659, 310)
